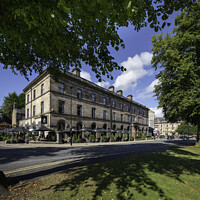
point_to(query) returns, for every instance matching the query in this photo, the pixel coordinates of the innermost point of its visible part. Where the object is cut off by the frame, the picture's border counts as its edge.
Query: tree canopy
(60, 34)
(178, 57)
(186, 129)
(8, 103)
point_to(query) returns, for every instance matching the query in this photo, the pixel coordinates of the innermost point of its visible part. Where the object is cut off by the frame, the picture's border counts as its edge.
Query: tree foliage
(60, 34)
(178, 56)
(8, 103)
(186, 129)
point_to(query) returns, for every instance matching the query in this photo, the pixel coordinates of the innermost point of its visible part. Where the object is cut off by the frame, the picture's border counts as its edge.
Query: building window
(33, 111)
(79, 110)
(133, 118)
(61, 107)
(93, 112)
(61, 87)
(114, 104)
(79, 93)
(114, 116)
(121, 106)
(28, 98)
(104, 101)
(127, 118)
(134, 110)
(34, 94)
(42, 107)
(104, 114)
(27, 113)
(42, 88)
(121, 117)
(93, 97)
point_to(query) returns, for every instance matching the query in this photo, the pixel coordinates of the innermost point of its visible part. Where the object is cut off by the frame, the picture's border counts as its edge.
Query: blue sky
(138, 80)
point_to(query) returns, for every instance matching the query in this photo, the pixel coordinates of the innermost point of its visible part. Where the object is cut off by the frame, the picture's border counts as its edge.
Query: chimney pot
(130, 97)
(76, 71)
(119, 92)
(111, 88)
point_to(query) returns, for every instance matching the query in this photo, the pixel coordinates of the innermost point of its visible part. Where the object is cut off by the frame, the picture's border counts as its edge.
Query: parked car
(170, 137)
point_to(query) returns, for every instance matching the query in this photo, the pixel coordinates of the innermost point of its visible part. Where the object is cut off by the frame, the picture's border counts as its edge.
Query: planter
(53, 137)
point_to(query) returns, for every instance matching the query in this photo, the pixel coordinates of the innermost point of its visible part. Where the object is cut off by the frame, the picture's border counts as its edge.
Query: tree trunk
(198, 134)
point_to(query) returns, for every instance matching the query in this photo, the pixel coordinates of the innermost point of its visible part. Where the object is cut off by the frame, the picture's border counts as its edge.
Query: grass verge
(174, 174)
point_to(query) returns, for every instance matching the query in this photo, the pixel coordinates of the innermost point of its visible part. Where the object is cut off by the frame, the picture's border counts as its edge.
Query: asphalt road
(30, 163)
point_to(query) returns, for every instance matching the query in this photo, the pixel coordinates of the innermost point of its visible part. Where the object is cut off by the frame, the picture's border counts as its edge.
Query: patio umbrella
(101, 130)
(43, 128)
(19, 129)
(125, 131)
(68, 130)
(85, 129)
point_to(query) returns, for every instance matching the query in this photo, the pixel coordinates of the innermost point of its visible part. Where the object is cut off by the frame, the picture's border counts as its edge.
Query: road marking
(56, 163)
(40, 165)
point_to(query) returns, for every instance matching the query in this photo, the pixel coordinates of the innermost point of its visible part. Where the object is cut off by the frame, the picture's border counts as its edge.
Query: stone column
(59, 138)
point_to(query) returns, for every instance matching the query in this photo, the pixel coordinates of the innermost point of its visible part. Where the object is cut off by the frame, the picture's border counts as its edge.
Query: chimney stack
(76, 71)
(111, 88)
(119, 92)
(130, 97)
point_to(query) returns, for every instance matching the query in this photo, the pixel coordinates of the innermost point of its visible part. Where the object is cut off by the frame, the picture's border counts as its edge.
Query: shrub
(123, 138)
(91, 137)
(79, 138)
(74, 138)
(112, 137)
(131, 138)
(103, 138)
(138, 137)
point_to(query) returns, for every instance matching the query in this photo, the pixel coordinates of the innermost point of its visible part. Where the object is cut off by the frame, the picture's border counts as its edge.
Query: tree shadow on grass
(131, 175)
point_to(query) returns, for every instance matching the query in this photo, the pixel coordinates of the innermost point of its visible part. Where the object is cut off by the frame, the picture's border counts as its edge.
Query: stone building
(163, 127)
(17, 115)
(151, 121)
(73, 101)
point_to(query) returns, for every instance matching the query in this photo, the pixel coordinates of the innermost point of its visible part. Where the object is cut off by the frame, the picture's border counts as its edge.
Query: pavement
(54, 144)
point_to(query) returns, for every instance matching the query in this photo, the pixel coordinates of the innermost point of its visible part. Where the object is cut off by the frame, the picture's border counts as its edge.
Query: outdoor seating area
(23, 135)
(85, 134)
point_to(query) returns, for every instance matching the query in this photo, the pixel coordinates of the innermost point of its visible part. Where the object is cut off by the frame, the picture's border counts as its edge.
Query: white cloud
(86, 75)
(134, 71)
(158, 111)
(150, 88)
(104, 84)
(148, 91)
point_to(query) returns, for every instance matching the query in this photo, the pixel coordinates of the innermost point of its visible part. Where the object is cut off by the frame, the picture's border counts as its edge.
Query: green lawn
(174, 174)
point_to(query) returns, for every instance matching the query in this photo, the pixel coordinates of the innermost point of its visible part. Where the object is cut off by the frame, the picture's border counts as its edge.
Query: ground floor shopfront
(84, 127)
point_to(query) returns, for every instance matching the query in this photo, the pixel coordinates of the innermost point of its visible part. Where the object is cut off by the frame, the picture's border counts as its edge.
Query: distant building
(163, 127)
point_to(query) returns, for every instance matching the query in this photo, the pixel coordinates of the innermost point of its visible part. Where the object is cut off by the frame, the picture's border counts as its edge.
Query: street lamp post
(71, 118)
(110, 114)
